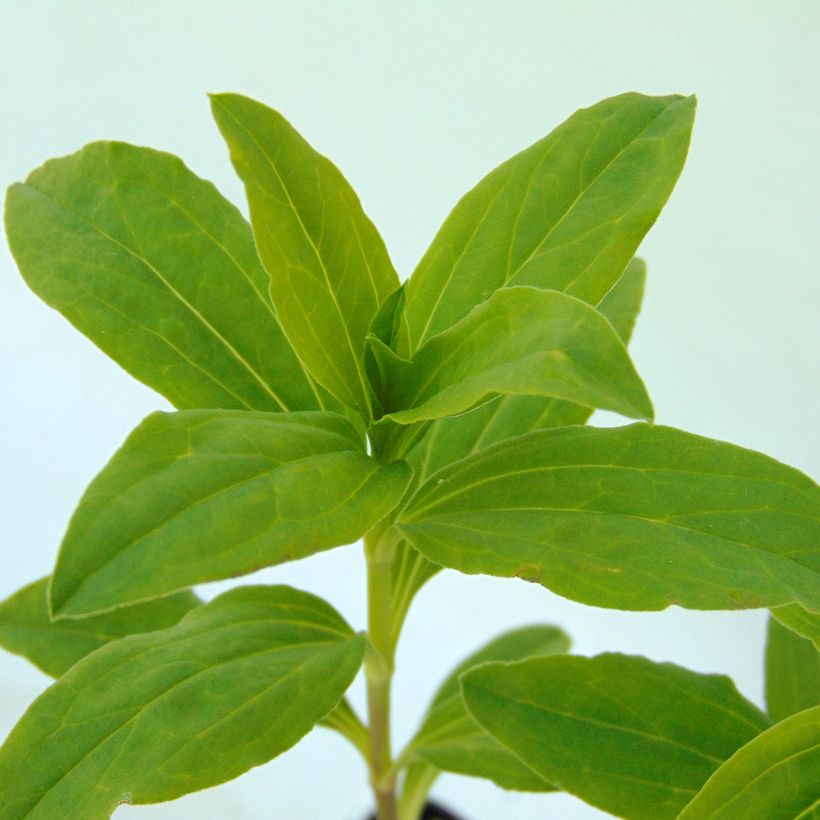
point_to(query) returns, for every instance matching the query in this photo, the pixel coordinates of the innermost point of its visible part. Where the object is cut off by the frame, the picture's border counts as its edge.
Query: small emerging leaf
(55, 646)
(636, 517)
(566, 214)
(159, 270)
(450, 439)
(328, 266)
(149, 718)
(633, 737)
(521, 340)
(792, 672)
(202, 495)
(450, 739)
(774, 777)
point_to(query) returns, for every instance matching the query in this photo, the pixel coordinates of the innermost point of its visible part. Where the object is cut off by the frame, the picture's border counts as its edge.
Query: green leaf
(633, 737)
(55, 646)
(774, 777)
(566, 214)
(450, 439)
(450, 739)
(792, 672)
(159, 270)
(800, 621)
(521, 340)
(636, 517)
(410, 571)
(151, 717)
(328, 266)
(207, 494)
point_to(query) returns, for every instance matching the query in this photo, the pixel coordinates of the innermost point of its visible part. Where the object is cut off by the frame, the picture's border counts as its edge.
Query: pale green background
(415, 101)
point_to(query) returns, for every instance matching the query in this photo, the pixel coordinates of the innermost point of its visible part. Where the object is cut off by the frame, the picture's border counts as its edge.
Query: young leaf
(800, 621)
(636, 517)
(450, 439)
(159, 270)
(201, 495)
(565, 214)
(774, 777)
(151, 717)
(55, 646)
(633, 737)
(521, 340)
(450, 739)
(329, 269)
(792, 672)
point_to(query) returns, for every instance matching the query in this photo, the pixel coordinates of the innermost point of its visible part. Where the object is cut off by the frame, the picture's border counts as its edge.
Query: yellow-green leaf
(567, 213)
(151, 717)
(633, 737)
(776, 776)
(636, 517)
(55, 646)
(328, 266)
(201, 495)
(792, 672)
(158, 270)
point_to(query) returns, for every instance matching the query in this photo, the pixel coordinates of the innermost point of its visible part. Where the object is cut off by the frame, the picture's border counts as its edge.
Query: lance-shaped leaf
(633, 737)
(450, 439)
(329, 269)
(636, 517)
(207, 494)
(774, 777)
(800, 621)
(792, 672)
(450, 739)
(159, 270)
(55, 646)
(151, 717)
(521, 340)
(567, 213)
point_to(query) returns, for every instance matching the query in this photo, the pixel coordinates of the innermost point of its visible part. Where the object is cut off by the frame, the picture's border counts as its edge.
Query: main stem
(380, 549)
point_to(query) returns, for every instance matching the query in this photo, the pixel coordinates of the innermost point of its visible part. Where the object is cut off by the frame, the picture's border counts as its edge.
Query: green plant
(442, 421)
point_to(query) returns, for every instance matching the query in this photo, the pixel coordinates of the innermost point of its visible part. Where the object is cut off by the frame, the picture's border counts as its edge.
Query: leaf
(774, 777)
(630, 736)
(792, 672)
(450, 739)
(159, 270)
(202, 495)
(450, 439)
(521, 340)
(328, 266)
(566, 214)
(55, 646)
(409, 573)
(151, 717)
(636, 517)
(800, 621)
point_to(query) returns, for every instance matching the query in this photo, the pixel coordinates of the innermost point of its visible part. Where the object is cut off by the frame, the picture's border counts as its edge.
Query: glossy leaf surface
(207, 494)
(774, 777)
(801, 621)
(636, 517)
(159, 270)
(329, 269)
(633, 737)
(792, 672)
(522, 340)
(449, 737)
(566, 214)
(151, 717)
(503, 417)
(55, 646)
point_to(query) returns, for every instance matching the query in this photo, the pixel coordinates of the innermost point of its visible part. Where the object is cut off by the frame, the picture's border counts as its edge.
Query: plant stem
(380, 547)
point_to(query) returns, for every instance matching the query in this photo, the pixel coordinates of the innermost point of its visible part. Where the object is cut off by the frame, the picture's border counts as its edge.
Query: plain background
(415, 102)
